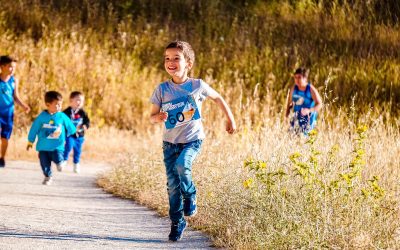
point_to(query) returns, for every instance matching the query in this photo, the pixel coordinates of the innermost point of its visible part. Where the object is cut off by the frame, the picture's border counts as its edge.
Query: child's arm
(18, 100)
(157, 115)
(318, 102)
(86, 121)
(289, 103)
(70, 128)
(33, 132)
(217, 98)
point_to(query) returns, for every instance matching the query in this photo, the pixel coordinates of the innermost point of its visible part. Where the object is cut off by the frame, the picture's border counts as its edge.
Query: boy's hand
(230, 126)
(305, 111)
(162, 116)
(27, 109)
(29, 146)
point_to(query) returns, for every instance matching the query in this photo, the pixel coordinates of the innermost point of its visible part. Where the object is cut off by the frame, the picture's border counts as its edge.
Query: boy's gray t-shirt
(183, 103)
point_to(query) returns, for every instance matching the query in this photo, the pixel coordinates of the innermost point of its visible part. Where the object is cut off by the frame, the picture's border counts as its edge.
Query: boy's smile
(176, 64)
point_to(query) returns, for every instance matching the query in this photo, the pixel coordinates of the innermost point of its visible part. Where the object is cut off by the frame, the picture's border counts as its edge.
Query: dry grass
(288, 214)
(248, 53)
(105, 144)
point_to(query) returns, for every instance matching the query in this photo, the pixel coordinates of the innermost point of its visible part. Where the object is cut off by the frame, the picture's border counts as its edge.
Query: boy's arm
(289, 103)
(33, 132)
(317, 99)
(70, 128)
(18, 100)
(86, 120)
(217, 98)
(157, 115)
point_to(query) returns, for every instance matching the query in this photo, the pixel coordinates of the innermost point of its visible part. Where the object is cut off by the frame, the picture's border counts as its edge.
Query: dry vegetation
(258, 189)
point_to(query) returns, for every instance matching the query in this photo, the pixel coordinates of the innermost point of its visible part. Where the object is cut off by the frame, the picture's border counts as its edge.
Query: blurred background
(248, 50)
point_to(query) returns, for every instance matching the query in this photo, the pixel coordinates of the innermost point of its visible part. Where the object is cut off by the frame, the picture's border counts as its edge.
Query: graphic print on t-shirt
(77, 120)
(180, 111)
(52, 131)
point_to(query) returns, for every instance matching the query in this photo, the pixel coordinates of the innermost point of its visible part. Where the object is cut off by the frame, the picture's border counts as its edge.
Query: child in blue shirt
(8, 95)
(177, 103)
(305, 101)
(81, 121)
(50, 127)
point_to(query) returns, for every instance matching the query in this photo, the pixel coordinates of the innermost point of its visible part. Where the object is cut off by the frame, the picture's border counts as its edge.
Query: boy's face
(77, 102)
(54, 106)
(300, 80)
(9, 68)
(175, 63)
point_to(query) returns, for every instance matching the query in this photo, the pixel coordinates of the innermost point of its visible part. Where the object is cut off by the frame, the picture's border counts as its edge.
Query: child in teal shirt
(51, 127)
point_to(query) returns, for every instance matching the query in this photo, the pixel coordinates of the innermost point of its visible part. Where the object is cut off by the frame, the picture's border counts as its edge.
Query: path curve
(73, 213)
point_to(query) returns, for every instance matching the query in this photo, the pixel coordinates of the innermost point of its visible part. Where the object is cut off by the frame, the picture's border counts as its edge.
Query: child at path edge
(306, 102)
(81, 121)
(8, 95)
(177, 103)
(51, 128)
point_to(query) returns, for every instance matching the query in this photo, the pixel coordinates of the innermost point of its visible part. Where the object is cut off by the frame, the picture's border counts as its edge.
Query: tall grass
(112, 50)
(252, 195)
(247, 50)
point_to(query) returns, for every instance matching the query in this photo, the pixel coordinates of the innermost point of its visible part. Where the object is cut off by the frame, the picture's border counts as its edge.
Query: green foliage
(317, 191)
(241, 46)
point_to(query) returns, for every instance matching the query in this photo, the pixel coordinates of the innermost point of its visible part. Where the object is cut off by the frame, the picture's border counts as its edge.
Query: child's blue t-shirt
(303, 99)
(51, 130)
(183, 103)
(7, 96)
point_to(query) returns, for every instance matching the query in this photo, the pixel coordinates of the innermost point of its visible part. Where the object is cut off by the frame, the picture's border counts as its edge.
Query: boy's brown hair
(186, 49)
(75, 94)
(302, 71)
(51, 96)
(6, 60)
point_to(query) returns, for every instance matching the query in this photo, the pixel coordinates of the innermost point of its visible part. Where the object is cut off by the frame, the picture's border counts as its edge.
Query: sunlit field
(261, 188)
(266, 189)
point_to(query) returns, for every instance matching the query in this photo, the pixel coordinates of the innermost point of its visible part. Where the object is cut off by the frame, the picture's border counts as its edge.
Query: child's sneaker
(189, 206)
(61, 165)
(177, 230)
(77, 168)
(47, 180)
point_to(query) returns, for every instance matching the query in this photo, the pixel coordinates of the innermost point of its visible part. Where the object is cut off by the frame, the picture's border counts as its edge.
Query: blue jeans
(178, 159)
(46, 157)
(76, 144)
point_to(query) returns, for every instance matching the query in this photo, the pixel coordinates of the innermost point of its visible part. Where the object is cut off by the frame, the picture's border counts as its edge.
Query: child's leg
(78, 142)
(45, 162)
(6, 126)
(173, 183)
(4, 146)
(57, 156)
(188, 153)
(68, 146)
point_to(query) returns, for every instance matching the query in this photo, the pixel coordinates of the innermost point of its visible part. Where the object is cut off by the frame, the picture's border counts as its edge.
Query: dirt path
(73, 213)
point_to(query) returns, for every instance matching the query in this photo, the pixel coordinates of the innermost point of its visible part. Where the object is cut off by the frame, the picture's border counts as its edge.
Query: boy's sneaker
(2, 163)
(47, 180)
(61, 165)
(177, 230)
(189, 206)
(77, 168)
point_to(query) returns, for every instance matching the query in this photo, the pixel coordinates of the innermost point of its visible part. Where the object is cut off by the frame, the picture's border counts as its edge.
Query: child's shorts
(6, 125)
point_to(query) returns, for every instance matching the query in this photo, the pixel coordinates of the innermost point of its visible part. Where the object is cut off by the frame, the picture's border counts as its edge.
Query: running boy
(51, 127)
(305, 101)
(8, 94)
(177, 103)
(81, 121)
